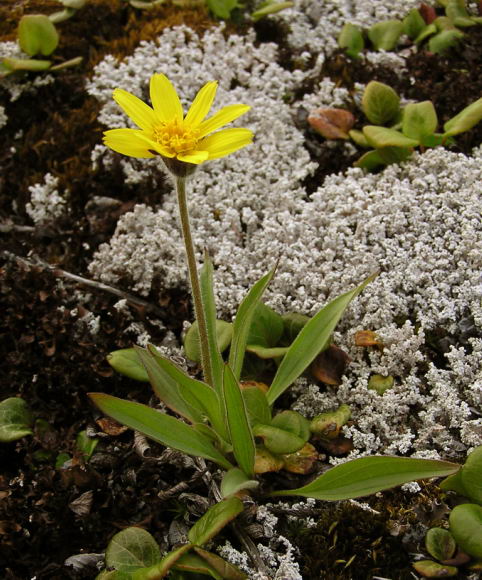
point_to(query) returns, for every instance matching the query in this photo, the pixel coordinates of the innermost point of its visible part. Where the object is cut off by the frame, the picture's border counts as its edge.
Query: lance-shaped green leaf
(218, 335)
(256, 404)
(419, 120)
(369, 475)
(465, 522)
(198, 394)
(351, 40)
(126, 361)
(168, 389)
(380, 103)
(236, 480)
(313, 338)
(214, 520)
(195, 564)
(161, 569)
(465, 120)
(383, 137)
(37, 34)
(11, 65)
(15, 419)
(267, 352)
(159, 427)
(225, 570)
(426, 32)
(385, 35)
(131, 549)
(238, 423)
(243, 320)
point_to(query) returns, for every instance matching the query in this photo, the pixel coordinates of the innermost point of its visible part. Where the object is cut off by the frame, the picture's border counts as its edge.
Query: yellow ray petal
(221, 118)
(201, 104)
(225, 142)
(142, 115)
(164, 99)
(126, 141)
(195, 157)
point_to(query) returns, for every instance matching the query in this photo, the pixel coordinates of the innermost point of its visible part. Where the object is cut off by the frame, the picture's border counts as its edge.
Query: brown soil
(50, 357)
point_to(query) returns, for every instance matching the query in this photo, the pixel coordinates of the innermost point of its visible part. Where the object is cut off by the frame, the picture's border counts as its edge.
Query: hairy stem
(194, 279)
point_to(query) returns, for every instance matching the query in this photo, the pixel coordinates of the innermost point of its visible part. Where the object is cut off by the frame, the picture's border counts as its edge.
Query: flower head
(165, 130)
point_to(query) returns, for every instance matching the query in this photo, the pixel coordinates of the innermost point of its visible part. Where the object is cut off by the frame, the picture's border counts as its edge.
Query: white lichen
(46, 204)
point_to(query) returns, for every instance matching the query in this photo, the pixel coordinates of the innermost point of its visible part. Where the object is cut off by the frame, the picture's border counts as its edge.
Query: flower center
(176, 136)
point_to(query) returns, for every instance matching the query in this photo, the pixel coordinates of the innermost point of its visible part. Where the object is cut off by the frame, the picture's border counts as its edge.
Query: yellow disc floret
(176, 137)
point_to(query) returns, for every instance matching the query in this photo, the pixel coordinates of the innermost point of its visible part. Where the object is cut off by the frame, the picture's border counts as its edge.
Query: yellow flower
(164, 130)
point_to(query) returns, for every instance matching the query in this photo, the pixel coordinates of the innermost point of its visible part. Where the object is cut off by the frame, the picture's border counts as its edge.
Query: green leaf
(15, 420)
(238, 423)
(385, 35)
(257, 404)
(196, 565)
(370, 161)
(222, 8)
(277, 440)
(126, 362)
(86, 445)
(293, 422)
(266, 326)
(454, 483)
(219, 332)
(379, 137)
(131, 549)
(225, 570)
(37, 34)
(465, 522)
(444, 40)
(440, 544)
(413, 24)
(268, 8)
(242, 323)
(351, 40)
(457, 12)
(198, 394)
(214, 520)
(465, 120)
(293, 322)
(419, 120)
(267, 353)
(390, 155)
(192, 349)
(167, 388)
(160, 569)
(368, 475)
(314, 337)
(18, 64)
(359, 138)
(236, 480)
(430, 569)
(159, 427)
(471, 475)
(380, 103)
(425, 33)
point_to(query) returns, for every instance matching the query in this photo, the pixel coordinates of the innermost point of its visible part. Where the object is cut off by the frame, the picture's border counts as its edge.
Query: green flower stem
(194, 278)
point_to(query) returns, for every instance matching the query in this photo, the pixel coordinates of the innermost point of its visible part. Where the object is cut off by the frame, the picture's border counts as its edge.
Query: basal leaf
(413, 24)
(370, 161)
(351, 40)
(15, 419)
(159, 427)
(37, 34)
(162, 568)
(270, 7)
(441, 42)
(419, 120)
(195, 564)
(385, 35)
(242, 323)
(465, 523)
(238, 424)
(214, 520)
(314, 337)
(380, 137)
(225, 570)
(471, 475)
(127, 362)
(380, 103)
(166, 388)
(277, 440)
(257, 404)
(465, 120)
(266, 352)
(368, 475)
(131, 549)
(236, 480)
(266, 327)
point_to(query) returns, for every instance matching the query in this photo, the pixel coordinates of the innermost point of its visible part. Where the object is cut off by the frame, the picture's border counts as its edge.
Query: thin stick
(194, 279)
(59, 273)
